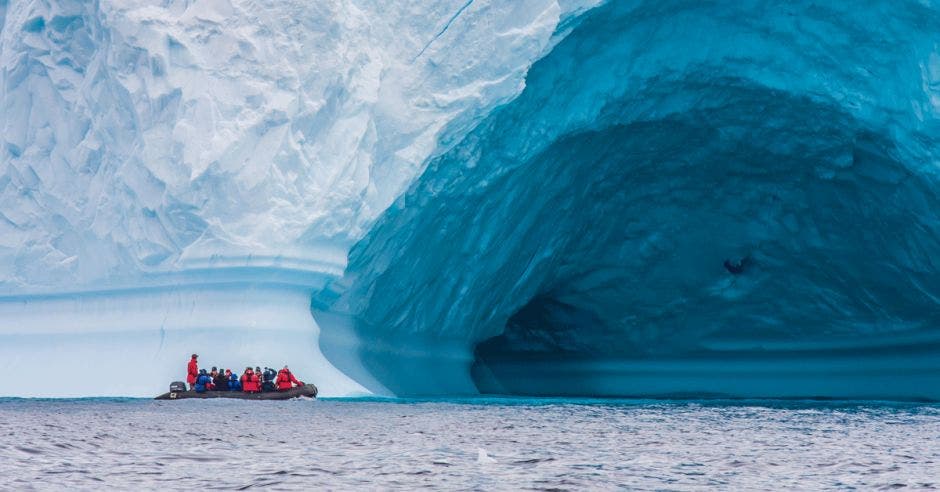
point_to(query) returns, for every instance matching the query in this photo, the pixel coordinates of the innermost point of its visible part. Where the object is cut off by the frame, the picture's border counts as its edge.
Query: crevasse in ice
(635, 198)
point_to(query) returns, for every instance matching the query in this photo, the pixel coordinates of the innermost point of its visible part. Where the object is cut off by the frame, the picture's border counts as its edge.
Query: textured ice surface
(141, 137)
(575, 241)
(167, 148)
(533, 196)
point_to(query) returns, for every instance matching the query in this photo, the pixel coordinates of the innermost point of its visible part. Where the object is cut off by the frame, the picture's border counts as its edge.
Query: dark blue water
(467, 444)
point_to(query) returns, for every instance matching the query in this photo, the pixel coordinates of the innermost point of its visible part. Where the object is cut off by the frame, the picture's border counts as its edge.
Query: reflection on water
(485, 444)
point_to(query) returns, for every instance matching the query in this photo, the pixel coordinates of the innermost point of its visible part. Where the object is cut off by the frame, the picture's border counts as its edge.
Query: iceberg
(537, 197)
(184, 175)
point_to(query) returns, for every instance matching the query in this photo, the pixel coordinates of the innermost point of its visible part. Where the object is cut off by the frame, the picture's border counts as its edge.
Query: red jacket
(192, 371)
(285, 380)
(250, 382)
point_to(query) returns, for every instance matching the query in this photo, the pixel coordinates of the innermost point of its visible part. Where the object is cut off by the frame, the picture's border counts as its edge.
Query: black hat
(215, 368)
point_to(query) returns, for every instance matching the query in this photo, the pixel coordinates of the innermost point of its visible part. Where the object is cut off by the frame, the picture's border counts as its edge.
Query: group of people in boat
(251, 381)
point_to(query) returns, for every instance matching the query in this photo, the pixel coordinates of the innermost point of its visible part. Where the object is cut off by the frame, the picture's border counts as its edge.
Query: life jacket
(250, 382)
(286, 380)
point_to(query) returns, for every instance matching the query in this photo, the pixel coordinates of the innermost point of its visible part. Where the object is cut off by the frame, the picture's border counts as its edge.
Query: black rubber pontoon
(307, 390)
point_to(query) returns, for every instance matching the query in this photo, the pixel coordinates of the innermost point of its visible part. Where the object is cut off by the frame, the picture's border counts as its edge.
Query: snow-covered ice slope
(415, 197)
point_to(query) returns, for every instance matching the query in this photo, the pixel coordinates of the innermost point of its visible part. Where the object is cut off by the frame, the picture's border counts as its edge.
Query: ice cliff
(541, 197)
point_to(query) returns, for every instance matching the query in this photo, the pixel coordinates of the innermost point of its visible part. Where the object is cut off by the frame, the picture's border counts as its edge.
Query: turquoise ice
(536, 197)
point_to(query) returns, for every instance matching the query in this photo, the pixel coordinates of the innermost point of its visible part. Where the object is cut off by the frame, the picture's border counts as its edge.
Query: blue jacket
(201, 382)
(233, 383)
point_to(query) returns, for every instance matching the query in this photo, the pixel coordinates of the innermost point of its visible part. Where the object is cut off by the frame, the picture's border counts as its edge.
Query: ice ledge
(134, 339)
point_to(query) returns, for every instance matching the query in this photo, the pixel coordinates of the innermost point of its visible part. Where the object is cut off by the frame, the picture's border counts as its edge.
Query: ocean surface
(487, 444)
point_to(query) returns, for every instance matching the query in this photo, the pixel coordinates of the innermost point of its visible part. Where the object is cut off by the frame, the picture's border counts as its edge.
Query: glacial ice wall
(538, 196)
(203, 153)
(729, 198)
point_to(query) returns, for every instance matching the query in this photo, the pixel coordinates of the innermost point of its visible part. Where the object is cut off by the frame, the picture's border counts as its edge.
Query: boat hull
(307, 390)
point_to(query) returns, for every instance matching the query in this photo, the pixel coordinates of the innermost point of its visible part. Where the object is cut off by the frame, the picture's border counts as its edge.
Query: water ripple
(476, 444)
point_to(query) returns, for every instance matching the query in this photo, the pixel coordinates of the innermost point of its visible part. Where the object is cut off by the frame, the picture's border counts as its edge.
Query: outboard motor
(177, 387)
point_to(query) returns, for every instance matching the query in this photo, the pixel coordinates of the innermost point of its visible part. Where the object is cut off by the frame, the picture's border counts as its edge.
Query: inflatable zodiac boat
(307, 390)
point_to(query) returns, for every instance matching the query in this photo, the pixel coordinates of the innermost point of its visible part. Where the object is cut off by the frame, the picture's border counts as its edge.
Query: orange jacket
(192, 371)
(285, 380)
(250, 382)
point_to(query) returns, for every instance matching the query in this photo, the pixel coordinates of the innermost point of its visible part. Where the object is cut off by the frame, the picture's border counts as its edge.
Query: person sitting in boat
(212, 373)
(233, 383)
(286, 380)
(220, 381)
(267, 379)
(250, 381)
(203, 382)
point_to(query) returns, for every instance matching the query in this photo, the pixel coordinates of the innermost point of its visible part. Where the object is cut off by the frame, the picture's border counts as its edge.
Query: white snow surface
(150, 149)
